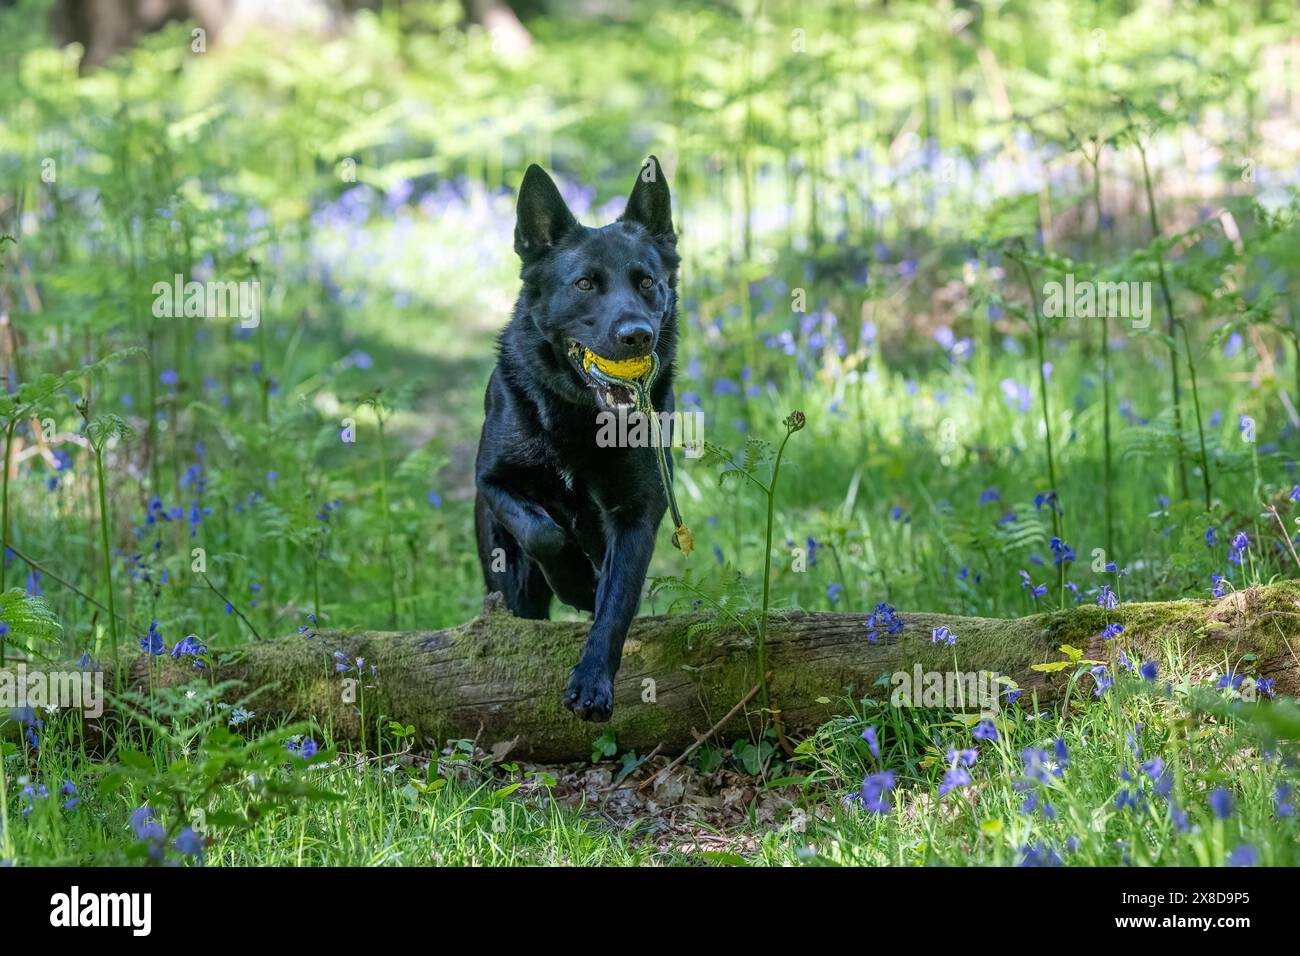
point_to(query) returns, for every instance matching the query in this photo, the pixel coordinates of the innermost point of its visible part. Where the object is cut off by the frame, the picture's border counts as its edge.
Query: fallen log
(499, 678)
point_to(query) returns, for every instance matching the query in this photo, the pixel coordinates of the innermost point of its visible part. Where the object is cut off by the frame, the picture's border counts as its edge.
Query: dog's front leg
(590, 693)
(528, 522)
(568, 572)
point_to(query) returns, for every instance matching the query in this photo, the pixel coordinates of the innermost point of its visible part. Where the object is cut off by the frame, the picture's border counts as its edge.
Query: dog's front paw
(590, 694)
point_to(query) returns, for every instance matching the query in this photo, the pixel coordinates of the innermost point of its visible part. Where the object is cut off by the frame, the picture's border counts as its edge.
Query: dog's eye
(647, 282)
(585, 284)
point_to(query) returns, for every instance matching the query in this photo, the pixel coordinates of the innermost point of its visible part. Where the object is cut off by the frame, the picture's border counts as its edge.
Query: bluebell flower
(1100, 674)
(1061, 752)
(304, 747)
(873, 741)
(145, 826)
(190, 646)
(1133, 746)
(1035, 590)
(1039, 854)
(1062, 550)
(1016, 395)
(1221, 803)
(874, 788)
(1033, 802)
(1128, 799)
(954, 779)
(1282, 800)
(884, 616)
(1243, 855)
(31, 723)
(966, 757)
(1038, 766)
(1230, 681)
(1164, 784)
(189, 843)
(33, 792)
(985, 730)
(196, 517)
(153, 641)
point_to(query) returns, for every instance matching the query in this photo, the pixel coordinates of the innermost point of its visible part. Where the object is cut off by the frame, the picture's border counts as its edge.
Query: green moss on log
(499, 678)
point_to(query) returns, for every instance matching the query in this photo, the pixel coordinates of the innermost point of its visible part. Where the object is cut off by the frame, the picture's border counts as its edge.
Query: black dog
(556, 513)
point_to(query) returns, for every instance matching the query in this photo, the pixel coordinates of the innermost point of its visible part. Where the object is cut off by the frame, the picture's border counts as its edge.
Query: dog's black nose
(636, 335)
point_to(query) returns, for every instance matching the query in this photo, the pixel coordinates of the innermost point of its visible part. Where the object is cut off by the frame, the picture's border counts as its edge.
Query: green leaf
(29, 618)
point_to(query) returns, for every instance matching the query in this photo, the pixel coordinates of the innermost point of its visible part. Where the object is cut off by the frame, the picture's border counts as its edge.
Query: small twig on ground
(685, 754)
(620, 782)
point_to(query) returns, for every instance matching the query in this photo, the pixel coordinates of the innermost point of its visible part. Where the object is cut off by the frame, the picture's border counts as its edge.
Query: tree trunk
(499, 678)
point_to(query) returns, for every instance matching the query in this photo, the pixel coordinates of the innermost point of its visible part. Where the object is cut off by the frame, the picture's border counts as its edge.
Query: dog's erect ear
(541, 217)
(650, 205)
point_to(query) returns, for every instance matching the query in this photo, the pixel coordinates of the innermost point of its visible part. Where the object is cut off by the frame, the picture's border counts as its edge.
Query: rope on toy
(638, 374)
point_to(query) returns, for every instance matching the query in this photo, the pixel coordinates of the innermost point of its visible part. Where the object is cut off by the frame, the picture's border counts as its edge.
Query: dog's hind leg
(532, 595)
(572, 578)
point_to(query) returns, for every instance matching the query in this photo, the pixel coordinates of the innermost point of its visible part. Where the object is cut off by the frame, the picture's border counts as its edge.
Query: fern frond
(28, 618)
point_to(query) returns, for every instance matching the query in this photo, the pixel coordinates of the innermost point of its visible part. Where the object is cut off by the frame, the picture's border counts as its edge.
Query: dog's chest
(584, 477)
(566, 476)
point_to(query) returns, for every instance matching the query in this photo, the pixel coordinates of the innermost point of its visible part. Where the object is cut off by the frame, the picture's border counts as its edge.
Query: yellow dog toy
(629, 369)
(639, 374)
